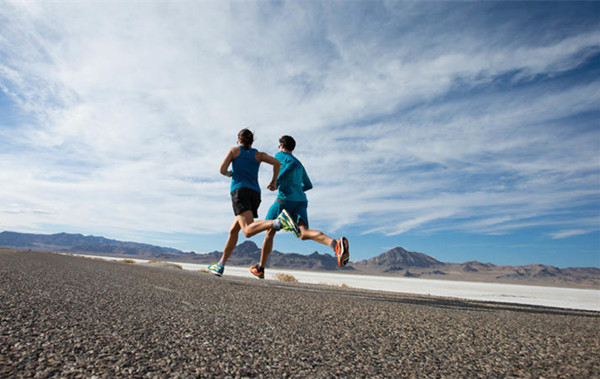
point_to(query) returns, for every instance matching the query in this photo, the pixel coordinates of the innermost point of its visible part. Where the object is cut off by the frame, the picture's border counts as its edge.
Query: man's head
(287, 143)
(246, 138)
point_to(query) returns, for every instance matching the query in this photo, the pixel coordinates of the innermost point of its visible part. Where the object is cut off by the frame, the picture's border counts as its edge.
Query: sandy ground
(570, 298)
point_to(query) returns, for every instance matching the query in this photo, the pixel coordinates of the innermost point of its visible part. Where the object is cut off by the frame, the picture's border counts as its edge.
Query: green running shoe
(216, 269)
(288, 223)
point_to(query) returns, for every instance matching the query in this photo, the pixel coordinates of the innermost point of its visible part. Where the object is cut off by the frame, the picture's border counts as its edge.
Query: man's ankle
(276, 224)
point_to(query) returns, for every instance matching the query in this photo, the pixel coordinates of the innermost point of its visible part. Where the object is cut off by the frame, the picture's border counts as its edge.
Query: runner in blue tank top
(293, 182)
(245, 194)
(245, 169)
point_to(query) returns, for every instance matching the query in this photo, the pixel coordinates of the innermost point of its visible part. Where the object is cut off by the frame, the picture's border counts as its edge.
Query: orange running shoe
(259, 273)
(342, 251)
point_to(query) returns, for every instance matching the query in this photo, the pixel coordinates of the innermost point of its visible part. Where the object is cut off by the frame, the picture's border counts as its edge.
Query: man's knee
(247, 233)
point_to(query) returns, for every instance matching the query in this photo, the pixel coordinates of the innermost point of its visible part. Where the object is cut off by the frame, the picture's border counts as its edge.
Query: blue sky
(466, 131)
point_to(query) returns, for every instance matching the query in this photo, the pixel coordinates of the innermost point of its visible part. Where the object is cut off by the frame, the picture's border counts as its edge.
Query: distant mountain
(399, 262)
(246, 253)
(397, 259)
(78, 243)
(396, 262)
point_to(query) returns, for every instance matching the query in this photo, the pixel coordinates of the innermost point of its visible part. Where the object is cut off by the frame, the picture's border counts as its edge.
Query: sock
(260, 268)
(276, 224)
(333, 244)
(220, 264)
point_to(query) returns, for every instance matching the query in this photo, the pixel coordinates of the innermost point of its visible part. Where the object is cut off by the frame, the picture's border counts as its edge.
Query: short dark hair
(288, 143)
(246, 138)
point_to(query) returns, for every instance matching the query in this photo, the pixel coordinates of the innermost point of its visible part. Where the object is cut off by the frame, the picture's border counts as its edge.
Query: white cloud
(569, 233)
(135, 104)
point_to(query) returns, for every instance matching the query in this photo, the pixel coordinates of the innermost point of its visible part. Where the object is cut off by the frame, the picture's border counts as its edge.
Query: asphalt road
(63, 316)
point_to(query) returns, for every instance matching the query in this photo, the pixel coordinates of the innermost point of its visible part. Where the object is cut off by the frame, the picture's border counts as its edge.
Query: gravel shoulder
(68, 316)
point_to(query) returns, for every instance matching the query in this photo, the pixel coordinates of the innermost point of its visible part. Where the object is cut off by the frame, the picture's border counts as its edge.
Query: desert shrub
(286, 278)
(128, 261)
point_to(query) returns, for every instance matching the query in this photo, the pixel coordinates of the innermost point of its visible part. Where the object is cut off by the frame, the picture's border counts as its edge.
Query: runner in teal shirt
(292, 183)
(293, 180)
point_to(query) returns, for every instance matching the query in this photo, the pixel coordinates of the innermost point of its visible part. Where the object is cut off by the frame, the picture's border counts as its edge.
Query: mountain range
(395, 262)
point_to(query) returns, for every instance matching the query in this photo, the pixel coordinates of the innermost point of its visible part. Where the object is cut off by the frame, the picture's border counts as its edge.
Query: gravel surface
(63, 316)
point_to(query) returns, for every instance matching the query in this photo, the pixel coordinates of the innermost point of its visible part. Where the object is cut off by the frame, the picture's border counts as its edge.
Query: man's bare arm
(227, 161)
(264, 157)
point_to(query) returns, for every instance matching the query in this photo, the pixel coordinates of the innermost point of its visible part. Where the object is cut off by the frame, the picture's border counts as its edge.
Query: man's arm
(227, 161)
(264, 157)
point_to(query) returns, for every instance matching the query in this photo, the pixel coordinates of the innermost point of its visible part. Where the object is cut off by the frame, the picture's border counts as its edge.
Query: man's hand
(272, 186)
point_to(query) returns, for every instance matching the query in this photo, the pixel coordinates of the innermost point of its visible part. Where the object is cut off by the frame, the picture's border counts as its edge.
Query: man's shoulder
(284, 156)
(235, 151)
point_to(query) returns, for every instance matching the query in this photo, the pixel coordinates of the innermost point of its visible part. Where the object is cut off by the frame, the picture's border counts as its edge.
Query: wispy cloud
(569, 233)
(415, 116)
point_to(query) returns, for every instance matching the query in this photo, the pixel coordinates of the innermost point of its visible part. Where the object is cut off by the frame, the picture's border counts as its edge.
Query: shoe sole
(345, 255)
(291, 222)
(215, 273)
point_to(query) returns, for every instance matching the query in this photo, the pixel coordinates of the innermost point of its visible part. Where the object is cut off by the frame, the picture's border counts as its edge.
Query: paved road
(75, 317)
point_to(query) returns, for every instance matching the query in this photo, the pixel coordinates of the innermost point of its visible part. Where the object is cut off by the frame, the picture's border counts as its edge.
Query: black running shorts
(245, 199)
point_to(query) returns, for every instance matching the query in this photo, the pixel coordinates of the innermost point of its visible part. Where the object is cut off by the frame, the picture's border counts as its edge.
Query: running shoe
(342, 251)
(288, 223)
(216, 269)
(260, 274)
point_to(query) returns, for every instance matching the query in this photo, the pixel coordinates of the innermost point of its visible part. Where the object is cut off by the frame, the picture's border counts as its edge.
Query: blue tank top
(245, 170)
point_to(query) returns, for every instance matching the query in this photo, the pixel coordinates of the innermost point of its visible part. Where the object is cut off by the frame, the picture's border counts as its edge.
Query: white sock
(276, 224)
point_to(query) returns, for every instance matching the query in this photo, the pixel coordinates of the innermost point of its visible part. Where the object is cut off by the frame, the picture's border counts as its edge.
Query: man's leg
(231, 243)
(340, 246)
(232, 239)
(259, 269)
(267, 247)
(254, 227)
(315, 235)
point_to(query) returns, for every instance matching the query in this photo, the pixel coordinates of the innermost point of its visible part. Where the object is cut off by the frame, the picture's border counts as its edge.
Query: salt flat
(569, 298)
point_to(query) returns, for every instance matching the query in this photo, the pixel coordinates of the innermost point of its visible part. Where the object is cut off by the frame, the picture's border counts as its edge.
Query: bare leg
(249, 226)
(245, 222)
(315, 235)
(257, 227)
(267, 247)
(231, 241)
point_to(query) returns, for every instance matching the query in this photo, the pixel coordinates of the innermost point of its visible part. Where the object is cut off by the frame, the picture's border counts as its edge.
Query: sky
(462, 130)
